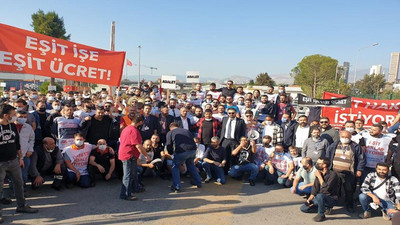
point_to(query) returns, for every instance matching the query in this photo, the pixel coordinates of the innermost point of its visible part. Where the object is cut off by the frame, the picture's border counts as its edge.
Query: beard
(382, 175)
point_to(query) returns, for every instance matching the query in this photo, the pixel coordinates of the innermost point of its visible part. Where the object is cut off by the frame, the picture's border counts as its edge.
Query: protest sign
(192, 77)
(27, 52)
(344, 102)
(168, 82)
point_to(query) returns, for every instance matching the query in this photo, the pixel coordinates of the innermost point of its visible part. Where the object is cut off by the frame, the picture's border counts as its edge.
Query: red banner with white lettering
(370, 110)
(27, 52)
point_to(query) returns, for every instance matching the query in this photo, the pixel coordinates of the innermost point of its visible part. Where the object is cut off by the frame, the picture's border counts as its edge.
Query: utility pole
(112, 48)
(140, 47)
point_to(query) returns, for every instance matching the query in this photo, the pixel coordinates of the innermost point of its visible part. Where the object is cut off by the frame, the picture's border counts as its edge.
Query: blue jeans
(238, 170)
(365, 200)
(130, 178)
(276, 177)
(321, 201)
(25, 170)
(218, 171)
(180, 158)
(305, 191)
(84, 180)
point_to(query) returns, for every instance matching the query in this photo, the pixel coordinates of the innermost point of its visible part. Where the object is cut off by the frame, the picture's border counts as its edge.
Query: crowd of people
(75, 138)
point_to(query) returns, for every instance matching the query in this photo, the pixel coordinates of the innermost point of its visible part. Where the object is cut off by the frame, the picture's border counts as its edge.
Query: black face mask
(318, 166)
(42, 109)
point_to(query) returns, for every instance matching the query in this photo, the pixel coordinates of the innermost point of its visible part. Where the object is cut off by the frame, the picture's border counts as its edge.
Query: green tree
(43, 88)
(371, 84)
(265, 80)
(315, 74)
(49, 24)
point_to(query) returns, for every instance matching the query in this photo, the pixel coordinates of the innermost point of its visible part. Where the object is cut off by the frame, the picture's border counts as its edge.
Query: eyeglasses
(230, 113)
(248, 115)
(323, 122)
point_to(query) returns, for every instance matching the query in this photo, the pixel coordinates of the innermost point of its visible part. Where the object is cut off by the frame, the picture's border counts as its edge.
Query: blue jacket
(359, 156)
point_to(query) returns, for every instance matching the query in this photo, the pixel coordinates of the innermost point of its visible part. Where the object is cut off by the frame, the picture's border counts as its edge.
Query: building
(375, 69)
(394, 67)
(342, 71)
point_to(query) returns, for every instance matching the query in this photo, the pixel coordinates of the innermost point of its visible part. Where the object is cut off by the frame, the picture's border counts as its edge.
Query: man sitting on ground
(102, 160)
(214, 161)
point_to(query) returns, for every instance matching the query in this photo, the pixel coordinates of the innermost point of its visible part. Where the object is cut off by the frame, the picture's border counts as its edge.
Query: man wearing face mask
(279, 167)
(40, 115)
(10, 148)
(54, 113)
(102, 160)
(380, 191)
(194, 100)
(47, 161)
(86, 111)
(325, 191)
(287, 125)
(214, 161)
(265, 107)
(64, 127)
(306, 173)
(348, 161)
(356, 137)
(273, 130)
(315, 146)
(263, 153)
(76, 157)
(22, 105)
(69, 99)
(26, 140)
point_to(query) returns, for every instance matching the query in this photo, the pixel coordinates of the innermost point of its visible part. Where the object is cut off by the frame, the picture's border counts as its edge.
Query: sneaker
(328, 211)
(173, 189)
(5, 201)
(207, 180)
(252, 183)
(217, 183)
(26, 209)
(365, 215)
(319, 218)
(131, 198)
(385, 216)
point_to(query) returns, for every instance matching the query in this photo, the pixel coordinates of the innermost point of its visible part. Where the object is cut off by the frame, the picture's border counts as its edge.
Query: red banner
(370, 110)
(23, 51)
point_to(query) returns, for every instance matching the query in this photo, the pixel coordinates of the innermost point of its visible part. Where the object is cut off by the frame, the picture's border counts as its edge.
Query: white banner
(192, 77)
(168, 82)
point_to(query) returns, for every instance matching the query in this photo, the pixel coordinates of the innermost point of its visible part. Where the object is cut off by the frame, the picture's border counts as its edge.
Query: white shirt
(301, 135)
(185, 124)
(268, 130)
(381, 191)
(219, 116)
(214, 94)
(233, 126)
(201, 149)
(272, 97)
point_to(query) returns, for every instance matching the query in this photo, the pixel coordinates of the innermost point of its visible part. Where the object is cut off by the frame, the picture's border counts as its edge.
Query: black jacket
(240, 129)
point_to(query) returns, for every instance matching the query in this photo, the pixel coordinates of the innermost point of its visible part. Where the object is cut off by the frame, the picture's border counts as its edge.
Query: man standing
(377, 148)
(183, 120)
(64, 128)
(150, 124)
(273, 130)
(348, 161)
(315, 146)
(233, 129)
(184, 147)
(129, 151)
(208, 127)
(164, 120)
(301, 132)
(328, 132)
(9, 162)
(325, 191)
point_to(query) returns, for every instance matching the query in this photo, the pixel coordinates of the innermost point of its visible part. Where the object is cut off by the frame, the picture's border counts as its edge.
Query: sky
(226, 38)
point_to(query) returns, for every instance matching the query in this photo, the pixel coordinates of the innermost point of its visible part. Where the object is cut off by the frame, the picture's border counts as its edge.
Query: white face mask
(172, 96)
(78, 103)
(115, 114)
(110, 101)
(350, 129)
(345, 140)
(85, 96)
(6, 95)
(49, 150)
(103, 95)
(153, 97)
(78, 142)
(164, 96)
(50, 98)
(280, 91)
(57, 107)
(14, 96)
(268, 122)
(13, 119)
(102, 147)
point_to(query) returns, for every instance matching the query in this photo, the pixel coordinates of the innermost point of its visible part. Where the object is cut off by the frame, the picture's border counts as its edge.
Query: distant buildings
(394, 67)
(375, 69)
(342, 71)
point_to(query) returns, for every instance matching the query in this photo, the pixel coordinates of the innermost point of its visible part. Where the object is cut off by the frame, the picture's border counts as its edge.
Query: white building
(375, 69)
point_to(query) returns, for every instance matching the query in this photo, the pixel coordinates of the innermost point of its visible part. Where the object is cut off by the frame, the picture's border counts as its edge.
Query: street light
(358, 54)
(140, 47)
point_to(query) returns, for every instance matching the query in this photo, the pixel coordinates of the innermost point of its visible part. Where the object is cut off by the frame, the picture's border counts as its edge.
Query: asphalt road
(234, 203)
